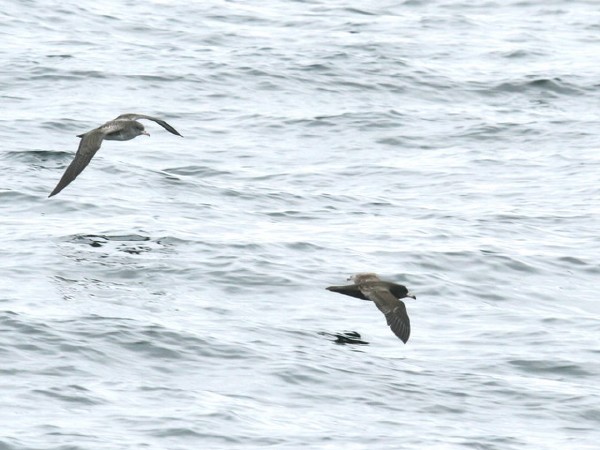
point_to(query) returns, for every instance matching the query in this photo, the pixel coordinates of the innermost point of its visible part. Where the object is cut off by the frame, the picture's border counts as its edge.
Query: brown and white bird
(123, 128)
(385, 295)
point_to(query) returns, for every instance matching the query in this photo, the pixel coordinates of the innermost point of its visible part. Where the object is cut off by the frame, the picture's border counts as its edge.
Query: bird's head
(139, 128)
(401, 291)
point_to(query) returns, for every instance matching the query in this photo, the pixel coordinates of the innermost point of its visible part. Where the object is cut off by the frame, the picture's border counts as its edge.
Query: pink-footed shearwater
(385, 295)
(123, 128)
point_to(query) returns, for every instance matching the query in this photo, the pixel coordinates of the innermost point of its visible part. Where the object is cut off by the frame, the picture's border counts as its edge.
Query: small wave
(361, 12)
(50, 74)
(70, 394)
(134, 244)
(119, 238)
(36, 156)
(555, 85)
(200, 171)
(520, 54)
(556, 367)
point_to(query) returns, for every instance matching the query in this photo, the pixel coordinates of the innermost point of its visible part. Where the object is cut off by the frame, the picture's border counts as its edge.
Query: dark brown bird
(123, 128)
(385, 295)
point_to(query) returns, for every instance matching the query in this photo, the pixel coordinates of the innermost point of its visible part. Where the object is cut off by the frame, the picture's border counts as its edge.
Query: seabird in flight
(123, 128)
(385, 295)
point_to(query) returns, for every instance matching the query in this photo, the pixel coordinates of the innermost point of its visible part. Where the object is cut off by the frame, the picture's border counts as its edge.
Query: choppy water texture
(173, 296)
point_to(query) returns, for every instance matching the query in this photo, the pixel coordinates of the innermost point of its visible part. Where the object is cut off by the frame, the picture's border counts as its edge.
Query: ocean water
(173, 296)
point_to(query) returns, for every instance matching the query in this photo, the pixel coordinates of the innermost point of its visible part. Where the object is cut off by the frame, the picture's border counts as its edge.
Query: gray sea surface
(173, 296)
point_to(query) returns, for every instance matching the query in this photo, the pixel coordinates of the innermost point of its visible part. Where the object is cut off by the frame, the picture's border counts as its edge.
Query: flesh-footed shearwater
(386, 295)
(123, 128)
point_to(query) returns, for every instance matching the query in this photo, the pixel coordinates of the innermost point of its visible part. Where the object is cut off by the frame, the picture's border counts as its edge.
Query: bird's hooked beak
(411, 295)
(146, 133)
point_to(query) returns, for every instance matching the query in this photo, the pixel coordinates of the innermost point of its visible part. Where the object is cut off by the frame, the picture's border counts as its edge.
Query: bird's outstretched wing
(351, 290)
(393, 309)
(162, 123)
(88, 146)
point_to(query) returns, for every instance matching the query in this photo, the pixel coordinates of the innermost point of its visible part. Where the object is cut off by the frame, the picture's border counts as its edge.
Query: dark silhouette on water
(123, 128)
(385, 295)
(345, 337)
